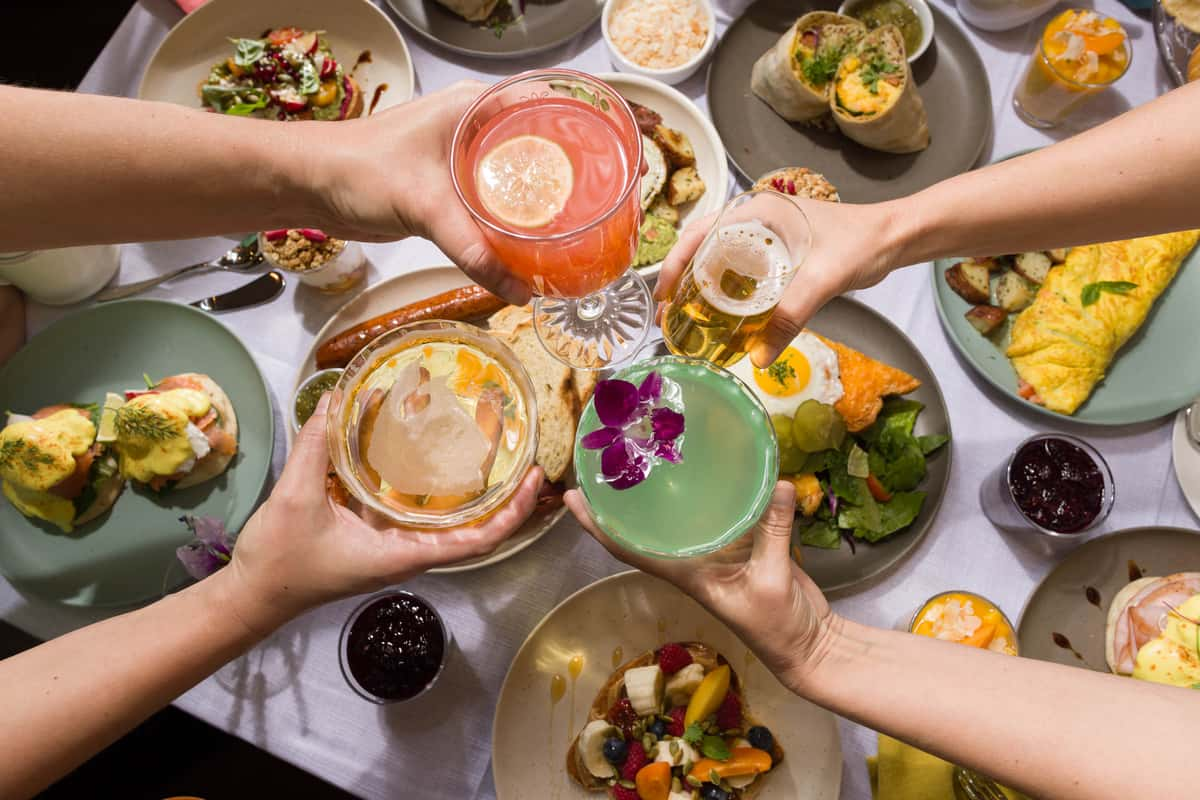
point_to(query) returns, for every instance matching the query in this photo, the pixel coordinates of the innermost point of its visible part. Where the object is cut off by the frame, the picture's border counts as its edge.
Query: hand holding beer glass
(737, 277)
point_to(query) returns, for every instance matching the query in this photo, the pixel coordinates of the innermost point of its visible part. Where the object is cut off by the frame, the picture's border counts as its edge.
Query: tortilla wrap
(874, 98)
(778, 78)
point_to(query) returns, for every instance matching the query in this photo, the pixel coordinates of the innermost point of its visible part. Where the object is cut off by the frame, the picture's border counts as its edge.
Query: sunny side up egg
(806, 370)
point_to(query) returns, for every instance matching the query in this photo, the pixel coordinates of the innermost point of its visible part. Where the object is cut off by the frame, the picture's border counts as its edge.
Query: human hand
(302, 549)
(388, 177)
(753, 586)
(853, 247)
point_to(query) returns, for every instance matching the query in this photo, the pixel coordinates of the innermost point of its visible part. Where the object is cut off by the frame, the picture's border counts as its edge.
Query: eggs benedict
(1152, 631)
(178, 433)
(52, 467)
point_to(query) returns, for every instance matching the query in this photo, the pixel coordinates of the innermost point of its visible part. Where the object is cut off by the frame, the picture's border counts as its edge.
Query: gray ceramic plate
(600, 627)
(1175, 44)
(858, 326)
(122, 558)
(953, 85)
(545, 24)
(1060, 604)
(1152, 376)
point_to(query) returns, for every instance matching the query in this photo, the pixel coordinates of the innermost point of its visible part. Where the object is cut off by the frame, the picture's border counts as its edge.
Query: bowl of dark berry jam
(393, 647)
(1054, 485)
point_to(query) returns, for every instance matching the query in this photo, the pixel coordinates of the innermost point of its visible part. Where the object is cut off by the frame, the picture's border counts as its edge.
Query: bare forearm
(1048, 730)
(67, 699)
(1134, 176)
(87, 169)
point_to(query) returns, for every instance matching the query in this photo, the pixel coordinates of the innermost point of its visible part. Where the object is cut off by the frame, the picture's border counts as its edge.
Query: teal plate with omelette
(123, 557)
(1156, 372)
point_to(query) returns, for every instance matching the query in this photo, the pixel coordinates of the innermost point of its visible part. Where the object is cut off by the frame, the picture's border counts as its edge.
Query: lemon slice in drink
(525, 181)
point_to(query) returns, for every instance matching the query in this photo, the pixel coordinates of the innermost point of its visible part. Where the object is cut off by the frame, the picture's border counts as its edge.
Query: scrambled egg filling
(43, 454)
(1174, 657)
(152, 436)
(864, 89)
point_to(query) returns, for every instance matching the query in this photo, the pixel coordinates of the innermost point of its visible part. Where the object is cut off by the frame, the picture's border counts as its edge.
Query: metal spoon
(1192, 417)
(242, 258)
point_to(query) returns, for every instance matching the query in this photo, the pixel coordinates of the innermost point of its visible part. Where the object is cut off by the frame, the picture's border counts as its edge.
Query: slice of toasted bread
(614, 688)
(556, 398)
(214, 463)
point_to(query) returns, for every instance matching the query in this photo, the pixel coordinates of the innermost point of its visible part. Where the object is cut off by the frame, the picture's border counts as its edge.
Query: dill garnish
(142, 423)
(29, 456)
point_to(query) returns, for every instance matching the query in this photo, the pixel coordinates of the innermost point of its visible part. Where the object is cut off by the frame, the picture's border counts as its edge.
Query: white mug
(61, 277)
(1002, 15)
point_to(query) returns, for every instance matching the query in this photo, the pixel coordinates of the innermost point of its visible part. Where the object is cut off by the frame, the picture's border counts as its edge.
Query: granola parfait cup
(327, 264)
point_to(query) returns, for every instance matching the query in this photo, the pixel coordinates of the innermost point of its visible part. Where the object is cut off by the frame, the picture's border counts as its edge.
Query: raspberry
(623, 716)
(676, 726)
(729, 715)
(672, 658)
(619, 792)
(634, 761)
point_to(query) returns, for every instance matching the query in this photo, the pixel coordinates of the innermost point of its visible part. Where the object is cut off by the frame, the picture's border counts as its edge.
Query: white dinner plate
(379, 299)
(352, 27)
(616, 619)
(1185, 454)
(682, 114)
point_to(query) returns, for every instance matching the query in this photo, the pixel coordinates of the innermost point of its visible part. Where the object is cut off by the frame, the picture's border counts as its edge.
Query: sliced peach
(982, 635)
(653, 781)
(742, 761)
(708, 696)
(1105, 43)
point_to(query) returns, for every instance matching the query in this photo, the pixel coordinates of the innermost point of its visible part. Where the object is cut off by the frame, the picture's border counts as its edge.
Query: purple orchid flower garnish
(640, 430)
(210, 548)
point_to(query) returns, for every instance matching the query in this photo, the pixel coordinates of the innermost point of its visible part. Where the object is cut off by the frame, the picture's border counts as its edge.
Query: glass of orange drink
(548, 163)
(1079, 55)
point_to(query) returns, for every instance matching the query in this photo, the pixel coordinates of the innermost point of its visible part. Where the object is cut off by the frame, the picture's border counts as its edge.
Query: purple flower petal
(627, 480)
(199, 561)
(651, 388)
(211, 532)
(601, 437)
(615, 459)
(668, 424)
(616, 401)
(667, 451)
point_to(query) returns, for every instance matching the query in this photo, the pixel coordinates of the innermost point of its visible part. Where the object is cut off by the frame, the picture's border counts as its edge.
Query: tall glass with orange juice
(548, 163)
(1079, 54)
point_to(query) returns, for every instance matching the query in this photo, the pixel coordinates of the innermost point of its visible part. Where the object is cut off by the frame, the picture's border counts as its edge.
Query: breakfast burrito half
(794, 76)
(875, 100)
(473, 10)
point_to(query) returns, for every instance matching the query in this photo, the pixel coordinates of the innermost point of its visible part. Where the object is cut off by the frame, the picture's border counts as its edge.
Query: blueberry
(761, 738)
(710, 791)
(615, 751)
(658, 728)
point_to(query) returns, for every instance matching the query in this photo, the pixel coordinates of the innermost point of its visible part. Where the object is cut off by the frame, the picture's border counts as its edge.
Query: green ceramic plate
(122, 558)
(1155, 374)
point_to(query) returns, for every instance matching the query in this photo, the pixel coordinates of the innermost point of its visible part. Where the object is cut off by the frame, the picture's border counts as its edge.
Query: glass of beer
(737, 277)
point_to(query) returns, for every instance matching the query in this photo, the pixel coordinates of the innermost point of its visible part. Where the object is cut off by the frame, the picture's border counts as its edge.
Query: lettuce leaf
(821, 533)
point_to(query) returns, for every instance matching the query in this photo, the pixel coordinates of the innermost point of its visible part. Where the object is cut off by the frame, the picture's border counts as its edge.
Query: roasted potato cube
(986, 319)
(676, 145)
(1033, 266)
(1013, 292)
(684, 186)
(664, 210)
(970, 281)
(1059, 254)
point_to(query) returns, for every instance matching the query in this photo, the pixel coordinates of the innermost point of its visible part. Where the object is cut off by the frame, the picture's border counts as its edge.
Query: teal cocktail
(679, 460)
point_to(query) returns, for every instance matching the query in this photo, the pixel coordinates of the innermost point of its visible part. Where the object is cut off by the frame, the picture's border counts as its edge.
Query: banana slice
(591, 748)
(683, 684)
(644, 685)
(741, 781)
(680, 753)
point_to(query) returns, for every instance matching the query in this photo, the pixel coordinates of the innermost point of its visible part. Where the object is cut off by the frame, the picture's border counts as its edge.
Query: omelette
(1061, 348)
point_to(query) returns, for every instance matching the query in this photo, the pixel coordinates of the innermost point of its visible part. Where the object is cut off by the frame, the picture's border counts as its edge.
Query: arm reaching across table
(68, 698)
(1042, 728)
(1134, 176)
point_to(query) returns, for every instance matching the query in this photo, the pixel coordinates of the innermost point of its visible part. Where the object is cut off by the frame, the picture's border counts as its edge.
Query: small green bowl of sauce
(912, 17)
(309, 393)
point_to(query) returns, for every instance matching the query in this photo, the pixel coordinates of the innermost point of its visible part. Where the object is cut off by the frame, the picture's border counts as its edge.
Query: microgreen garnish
(246, 52)
(780, 371)
(714, 747)
(693, 734)
(1092, 291)
(875, 69)
(822, 66)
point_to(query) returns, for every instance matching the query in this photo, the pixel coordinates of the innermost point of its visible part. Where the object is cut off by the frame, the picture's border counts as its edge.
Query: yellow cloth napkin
(902, 772)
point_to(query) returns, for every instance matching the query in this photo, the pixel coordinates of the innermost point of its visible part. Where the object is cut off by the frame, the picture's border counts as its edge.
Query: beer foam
(748, 249)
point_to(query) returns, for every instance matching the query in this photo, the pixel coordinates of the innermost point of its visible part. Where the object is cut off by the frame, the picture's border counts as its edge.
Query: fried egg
(806, 370)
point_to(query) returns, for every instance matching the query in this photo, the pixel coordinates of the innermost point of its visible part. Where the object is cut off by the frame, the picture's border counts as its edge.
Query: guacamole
(655, 239)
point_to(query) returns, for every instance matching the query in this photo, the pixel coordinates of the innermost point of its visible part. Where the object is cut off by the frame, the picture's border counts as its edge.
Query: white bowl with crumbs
(666, 40)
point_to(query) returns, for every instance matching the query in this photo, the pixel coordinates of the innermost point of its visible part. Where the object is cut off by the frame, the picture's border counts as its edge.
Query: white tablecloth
(289, 697)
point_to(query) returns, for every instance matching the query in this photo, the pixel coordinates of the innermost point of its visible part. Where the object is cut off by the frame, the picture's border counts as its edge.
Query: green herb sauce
(306, 400)
(876, 13)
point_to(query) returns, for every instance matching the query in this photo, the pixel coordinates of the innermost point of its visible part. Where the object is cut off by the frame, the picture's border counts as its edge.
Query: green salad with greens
(861, 486)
